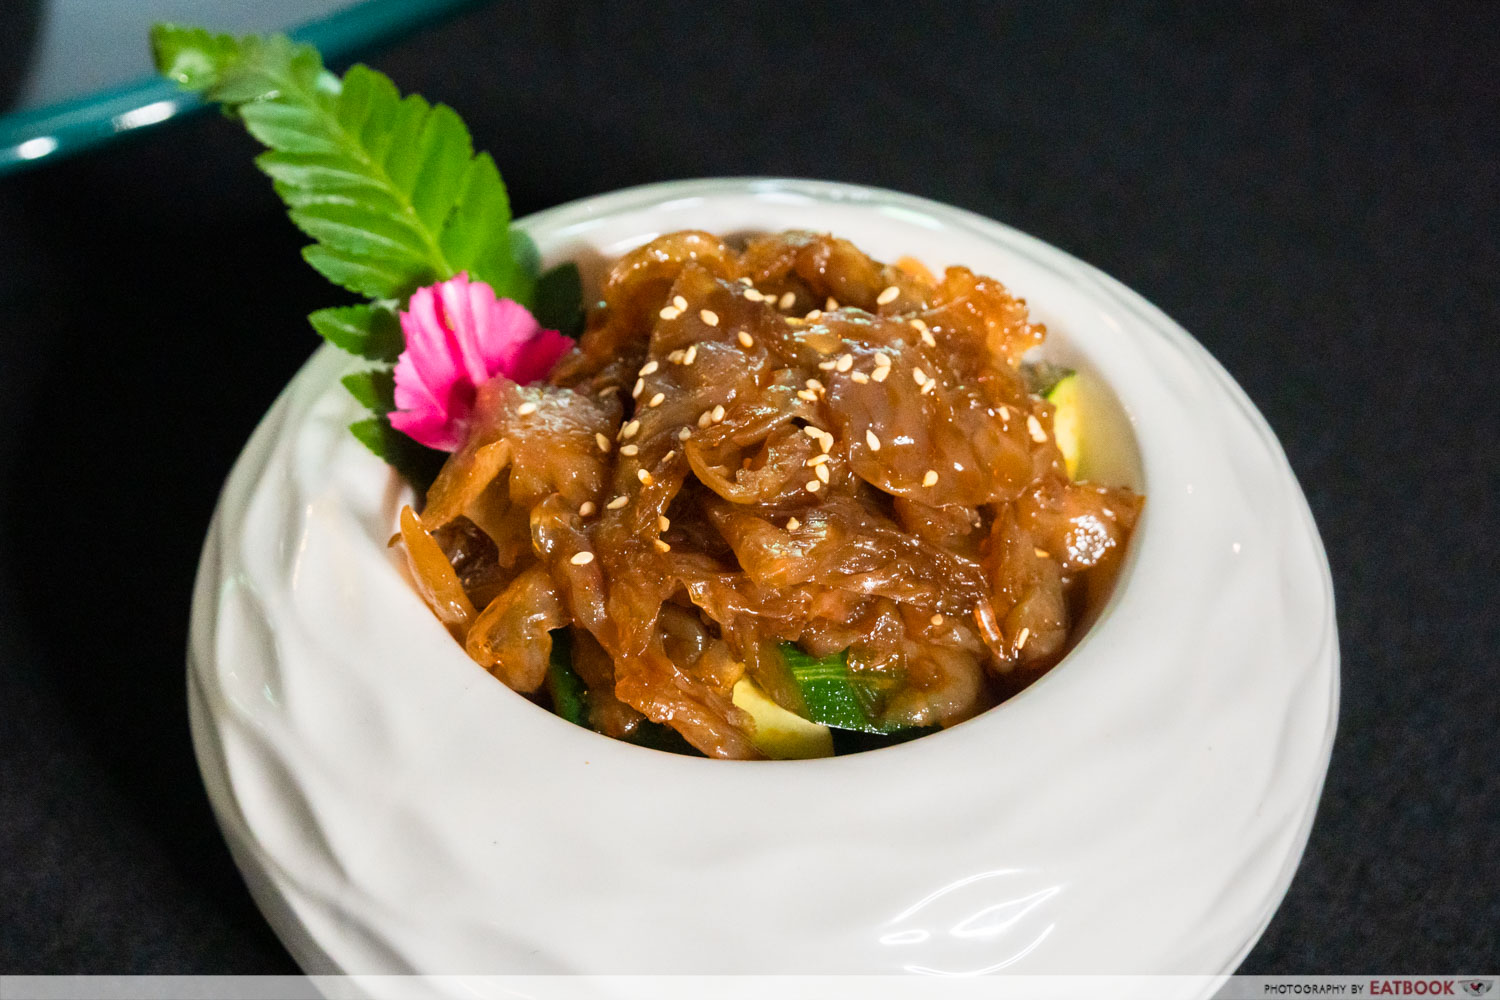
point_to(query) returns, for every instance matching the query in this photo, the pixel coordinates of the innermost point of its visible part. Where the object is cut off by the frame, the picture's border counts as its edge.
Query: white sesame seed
(746, 282)
(662, 522)
(813, 486)
(753, 295)
(525, 409)
(817, 460)
(792, 524)
(608, 391)
(880, 374)
(888, 296)
(845, 362)
(815, 314)
(628, 431)
(918, 376)
(668, 456)
(630, 449)
(1034, 426)
(827, 366)
(788, 300)
(586, 508)
(1004, 412)
(821, 471)
(860, 378)
(872, 440)
(882, 359)
(808, 395)
(1021, 639)
(930, 479)
(670, 313)
(617, 503)
(814, 385)
(746, 340)
(1107, 512)
(717, 413)
(917, 324)
(928, 386)
(831, 303)
(656, 400)
(602, 442)
(640, 386)
(679, 302)
(648, 368)
(1041, 553)
(684, 434)
(825, 442)
(705, 418)
(691, 355)
(928, 339)
(709, 316)
(812, 432)
(582, 558)
(936, 620)
(661, 546)
(645, 477)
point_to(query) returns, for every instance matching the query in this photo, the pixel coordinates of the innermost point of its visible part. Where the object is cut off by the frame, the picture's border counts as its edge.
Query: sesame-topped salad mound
(770, 481)
(775, 500)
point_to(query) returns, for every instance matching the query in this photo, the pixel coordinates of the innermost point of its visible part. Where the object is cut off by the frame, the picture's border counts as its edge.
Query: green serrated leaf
(558, 302)
(375, 389)
(370, 331)
(476, 236)
(192, 56)
(389, 187)
(418, 465)
(341, 222)
(374, 279)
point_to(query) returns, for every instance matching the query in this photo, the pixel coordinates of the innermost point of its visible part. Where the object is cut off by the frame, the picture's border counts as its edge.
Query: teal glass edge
(43, 135)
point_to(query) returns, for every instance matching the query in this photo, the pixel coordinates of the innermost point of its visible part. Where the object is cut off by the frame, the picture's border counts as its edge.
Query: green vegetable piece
(569, 696)
(834, 696)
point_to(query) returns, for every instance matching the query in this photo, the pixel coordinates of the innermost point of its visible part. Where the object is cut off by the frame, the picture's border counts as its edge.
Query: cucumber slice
(779, 734)
(1067, 428)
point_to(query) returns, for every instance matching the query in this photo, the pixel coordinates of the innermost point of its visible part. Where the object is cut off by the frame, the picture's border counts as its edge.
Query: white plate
(1141, 809)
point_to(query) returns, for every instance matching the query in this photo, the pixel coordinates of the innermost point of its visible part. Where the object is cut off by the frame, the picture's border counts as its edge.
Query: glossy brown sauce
(788, 442)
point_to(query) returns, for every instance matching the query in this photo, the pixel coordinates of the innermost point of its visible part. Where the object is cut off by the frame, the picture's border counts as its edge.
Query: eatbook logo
(1477, 987)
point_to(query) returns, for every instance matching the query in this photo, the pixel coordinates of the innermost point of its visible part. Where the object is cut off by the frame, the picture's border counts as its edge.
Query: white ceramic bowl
(1141, 809)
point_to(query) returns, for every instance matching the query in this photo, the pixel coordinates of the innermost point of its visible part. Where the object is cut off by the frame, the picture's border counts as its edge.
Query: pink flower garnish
(458, 337)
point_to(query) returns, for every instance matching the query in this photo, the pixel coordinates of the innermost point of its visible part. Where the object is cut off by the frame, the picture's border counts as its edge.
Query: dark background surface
(1312, 193)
